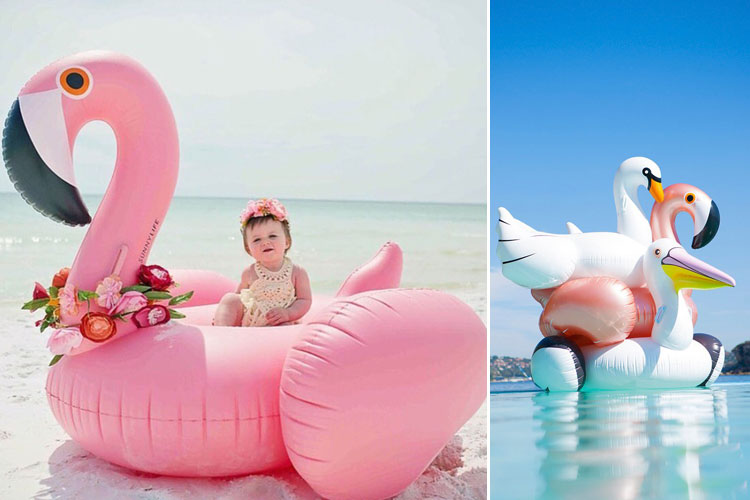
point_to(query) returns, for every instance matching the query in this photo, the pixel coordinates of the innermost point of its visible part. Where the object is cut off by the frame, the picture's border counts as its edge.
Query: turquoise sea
(681, 444)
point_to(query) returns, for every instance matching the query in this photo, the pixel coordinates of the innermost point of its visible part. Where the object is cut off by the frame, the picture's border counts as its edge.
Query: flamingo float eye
(75, 82)
(690, 198)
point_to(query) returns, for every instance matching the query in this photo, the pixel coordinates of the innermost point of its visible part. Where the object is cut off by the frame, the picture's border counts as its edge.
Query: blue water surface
(689, 443)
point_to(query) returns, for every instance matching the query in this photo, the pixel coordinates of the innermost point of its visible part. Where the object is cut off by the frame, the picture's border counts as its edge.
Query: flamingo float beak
(38, 159)
(710, 227)
(687, 271)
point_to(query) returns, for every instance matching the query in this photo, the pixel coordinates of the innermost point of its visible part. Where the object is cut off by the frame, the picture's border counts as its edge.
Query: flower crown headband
(263, 208)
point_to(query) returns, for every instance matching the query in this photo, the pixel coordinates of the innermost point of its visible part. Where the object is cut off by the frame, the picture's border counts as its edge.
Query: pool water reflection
(692, 443)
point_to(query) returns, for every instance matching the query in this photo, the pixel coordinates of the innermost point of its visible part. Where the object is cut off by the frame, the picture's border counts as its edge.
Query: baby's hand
(277, 316)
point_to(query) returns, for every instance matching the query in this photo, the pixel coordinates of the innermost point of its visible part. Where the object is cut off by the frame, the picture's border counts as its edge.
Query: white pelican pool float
(359, 397)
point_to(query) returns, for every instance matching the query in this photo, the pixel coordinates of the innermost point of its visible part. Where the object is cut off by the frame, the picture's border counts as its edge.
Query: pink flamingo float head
(692, 200)
(38, 141)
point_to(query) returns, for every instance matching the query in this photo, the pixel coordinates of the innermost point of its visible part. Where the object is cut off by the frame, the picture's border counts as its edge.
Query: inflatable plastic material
(671, 357)
(189, 399)
(632, 174)
(603, 311)
(383, 410)
(587, 319)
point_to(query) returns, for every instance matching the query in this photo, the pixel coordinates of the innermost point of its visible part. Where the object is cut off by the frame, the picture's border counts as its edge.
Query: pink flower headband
(262, 208)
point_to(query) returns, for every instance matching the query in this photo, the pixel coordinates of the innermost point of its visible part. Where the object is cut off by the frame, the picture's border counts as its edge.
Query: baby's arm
(300, 306)
(248, 276)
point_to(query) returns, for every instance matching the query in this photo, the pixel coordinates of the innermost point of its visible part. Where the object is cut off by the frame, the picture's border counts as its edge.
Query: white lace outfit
(271, 289)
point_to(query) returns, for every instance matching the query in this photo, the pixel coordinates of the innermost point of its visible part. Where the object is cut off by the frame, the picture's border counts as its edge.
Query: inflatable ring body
(362, 381)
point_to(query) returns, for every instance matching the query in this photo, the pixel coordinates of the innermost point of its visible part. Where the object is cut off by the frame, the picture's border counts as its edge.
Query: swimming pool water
(690, 443)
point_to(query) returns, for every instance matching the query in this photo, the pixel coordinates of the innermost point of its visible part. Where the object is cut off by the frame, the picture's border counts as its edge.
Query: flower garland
(137, 301)
(262, 208)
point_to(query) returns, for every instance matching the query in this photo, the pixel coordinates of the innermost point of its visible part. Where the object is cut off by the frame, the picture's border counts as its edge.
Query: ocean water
(690, 443)
(444, 245)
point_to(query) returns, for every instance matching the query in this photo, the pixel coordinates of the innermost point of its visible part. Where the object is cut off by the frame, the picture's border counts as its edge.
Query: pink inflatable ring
(374, 379)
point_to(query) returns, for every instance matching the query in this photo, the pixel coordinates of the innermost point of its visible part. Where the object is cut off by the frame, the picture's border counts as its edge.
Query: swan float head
(640, 171)
(668, 268)
(631, 219)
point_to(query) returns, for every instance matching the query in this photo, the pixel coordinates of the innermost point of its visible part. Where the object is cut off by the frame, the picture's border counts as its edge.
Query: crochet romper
(271, 289)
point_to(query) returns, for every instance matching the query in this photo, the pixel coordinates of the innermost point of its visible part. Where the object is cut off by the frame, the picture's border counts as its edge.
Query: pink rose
(129, 302)
(68, 299)
(156, 277)
(151, 316)
(109, 291)
(65, 340)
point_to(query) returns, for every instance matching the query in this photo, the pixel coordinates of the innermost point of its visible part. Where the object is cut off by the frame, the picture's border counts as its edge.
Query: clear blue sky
(578, 87)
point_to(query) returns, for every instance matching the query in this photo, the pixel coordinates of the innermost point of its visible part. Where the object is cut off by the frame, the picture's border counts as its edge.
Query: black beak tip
(708, 232)
(34, 180)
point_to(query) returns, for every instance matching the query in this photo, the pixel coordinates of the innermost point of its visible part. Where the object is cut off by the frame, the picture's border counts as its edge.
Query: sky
(292, 99)
(578, 87)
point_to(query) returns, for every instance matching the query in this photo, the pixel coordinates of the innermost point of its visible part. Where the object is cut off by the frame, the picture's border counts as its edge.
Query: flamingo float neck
(41, 130)
(130, 101)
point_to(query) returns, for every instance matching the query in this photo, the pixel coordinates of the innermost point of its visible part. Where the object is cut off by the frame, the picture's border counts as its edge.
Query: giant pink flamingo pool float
(359, 397)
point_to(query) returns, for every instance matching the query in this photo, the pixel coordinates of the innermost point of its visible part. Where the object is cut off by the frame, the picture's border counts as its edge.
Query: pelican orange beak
(686, 271)
(656, 190)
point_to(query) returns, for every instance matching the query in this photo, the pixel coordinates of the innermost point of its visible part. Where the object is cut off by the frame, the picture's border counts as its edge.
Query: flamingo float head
(641, 171)
(686, 198)
(38, 139)
(45, 119)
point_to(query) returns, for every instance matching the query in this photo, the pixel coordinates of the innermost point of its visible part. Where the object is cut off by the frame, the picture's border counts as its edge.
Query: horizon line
(305, 199)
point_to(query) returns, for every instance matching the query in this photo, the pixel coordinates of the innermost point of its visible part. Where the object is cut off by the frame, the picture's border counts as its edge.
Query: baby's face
(267, 242)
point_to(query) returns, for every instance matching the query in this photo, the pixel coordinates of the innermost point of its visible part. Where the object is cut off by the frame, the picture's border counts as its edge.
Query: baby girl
(272, 291)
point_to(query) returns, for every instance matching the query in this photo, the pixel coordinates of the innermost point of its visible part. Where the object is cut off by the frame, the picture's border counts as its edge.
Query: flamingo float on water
(361, 384)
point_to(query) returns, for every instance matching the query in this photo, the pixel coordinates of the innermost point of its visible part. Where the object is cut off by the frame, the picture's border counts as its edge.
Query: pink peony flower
(151, 316)
(65, 340)
(129, 302)
(68, 299)
(109, 291)
(39, 292)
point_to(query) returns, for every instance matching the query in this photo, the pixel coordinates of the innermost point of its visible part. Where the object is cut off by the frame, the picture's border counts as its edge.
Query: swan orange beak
(656, 191)
(687, 271)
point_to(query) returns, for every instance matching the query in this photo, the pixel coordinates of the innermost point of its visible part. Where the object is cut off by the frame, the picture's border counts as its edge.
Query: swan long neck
(133, 208)
(673, 323)
(631, 220)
